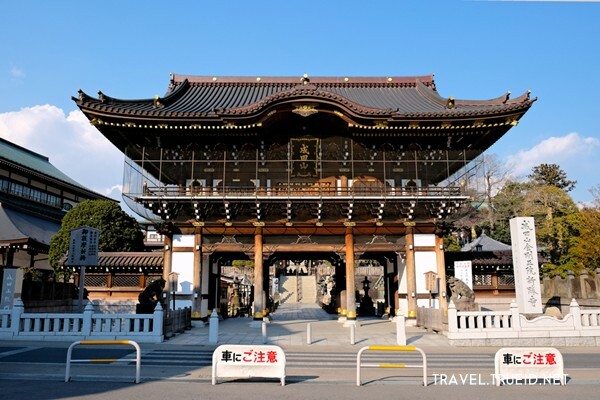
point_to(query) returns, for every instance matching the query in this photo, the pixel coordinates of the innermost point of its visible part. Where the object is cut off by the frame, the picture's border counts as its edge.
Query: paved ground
(288, 327)
(330, 356)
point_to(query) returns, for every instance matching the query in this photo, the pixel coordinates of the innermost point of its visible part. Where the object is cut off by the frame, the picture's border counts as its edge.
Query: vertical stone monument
(526, 267)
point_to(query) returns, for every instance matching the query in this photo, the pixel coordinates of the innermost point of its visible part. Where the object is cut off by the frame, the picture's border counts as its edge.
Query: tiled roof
(130, 259)
(34, 161)
(394, 97)
(482, 258)
(17, 227)
(487, 244)
(30, 161)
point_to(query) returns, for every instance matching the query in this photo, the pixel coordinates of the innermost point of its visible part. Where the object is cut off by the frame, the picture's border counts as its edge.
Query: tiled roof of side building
(130, 259)
(34, 162)
(197, 96)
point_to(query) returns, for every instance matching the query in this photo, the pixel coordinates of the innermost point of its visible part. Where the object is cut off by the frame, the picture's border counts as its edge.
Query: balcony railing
(294, 190)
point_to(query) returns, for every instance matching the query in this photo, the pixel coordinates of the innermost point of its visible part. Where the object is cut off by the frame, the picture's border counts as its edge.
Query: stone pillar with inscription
(526, 267)
(11, 287)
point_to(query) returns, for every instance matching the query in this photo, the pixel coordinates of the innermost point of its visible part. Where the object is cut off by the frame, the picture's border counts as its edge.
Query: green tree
(120, 232)
(508, 203)
(586, 252)
(551, 175)
(557, 222)
(451, 243)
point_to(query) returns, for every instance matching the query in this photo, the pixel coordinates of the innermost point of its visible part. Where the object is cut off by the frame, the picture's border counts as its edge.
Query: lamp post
(173, 282)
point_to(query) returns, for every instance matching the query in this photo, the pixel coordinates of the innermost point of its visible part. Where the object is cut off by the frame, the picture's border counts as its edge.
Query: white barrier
(391, 365)
(528, 365)
(247, 361)
(138, 357)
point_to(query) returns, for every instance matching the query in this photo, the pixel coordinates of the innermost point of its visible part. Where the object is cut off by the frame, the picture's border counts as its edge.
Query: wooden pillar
(393, 284)
(205, 284)
(340, 285)
(350, 289)
(441, 271)
(259, 306)
(495, 282)
(197, 284)
(266, 287)
(167, 269)
(411, 282)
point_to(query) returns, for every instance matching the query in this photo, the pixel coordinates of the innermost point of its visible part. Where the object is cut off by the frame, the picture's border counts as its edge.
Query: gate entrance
(317, 278)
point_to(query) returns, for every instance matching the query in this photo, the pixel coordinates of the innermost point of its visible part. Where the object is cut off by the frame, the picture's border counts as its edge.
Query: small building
(34, 197)
(491, 263)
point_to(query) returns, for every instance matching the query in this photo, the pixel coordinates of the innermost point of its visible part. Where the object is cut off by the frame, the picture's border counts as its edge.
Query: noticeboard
(83, 246)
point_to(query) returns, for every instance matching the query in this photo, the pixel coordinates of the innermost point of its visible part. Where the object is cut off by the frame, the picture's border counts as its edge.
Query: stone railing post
(583, 276)
(575, 311)
(213, 328)
(400, 330)
(515, 316)
(570, 281)
(547, 289)
(17, 311)
(157, 323)
(452, 318)
(86, 326)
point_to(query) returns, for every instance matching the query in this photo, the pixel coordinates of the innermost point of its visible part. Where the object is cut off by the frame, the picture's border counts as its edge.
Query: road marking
(18, 351)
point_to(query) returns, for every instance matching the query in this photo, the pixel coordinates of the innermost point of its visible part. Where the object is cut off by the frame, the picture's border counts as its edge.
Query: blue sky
(476, 49)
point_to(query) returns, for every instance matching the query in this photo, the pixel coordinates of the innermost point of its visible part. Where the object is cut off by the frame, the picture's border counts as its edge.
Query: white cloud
(17, 72)
(70, 142)
(562, 150)
(573, 153)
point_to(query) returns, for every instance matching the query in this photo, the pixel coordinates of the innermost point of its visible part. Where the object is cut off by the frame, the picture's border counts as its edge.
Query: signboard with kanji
(528, 365)
(83, 247)
(11, 285)
(305, 156)
(526, 267)
(247, 361)
(463, 270)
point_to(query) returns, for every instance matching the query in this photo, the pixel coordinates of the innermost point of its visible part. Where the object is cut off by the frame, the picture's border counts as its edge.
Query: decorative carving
(379, 239)
(229, 240)
(305, 110)
(304, 240)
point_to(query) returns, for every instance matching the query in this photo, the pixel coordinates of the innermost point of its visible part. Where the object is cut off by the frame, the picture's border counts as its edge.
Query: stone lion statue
(460, 291)
(153, 292)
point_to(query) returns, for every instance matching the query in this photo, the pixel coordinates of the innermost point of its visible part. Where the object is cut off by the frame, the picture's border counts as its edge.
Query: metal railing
(137, 359)
(295, 190)
(390, 365)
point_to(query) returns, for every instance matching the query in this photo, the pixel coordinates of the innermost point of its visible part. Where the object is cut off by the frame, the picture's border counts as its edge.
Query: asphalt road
(473, 367)
(183, 390)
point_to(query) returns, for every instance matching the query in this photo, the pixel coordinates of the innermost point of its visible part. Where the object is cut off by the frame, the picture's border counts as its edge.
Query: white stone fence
(142, 328)
(511, 328)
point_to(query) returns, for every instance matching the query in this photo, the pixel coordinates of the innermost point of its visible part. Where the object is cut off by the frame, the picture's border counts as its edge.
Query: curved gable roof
(395, 97)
